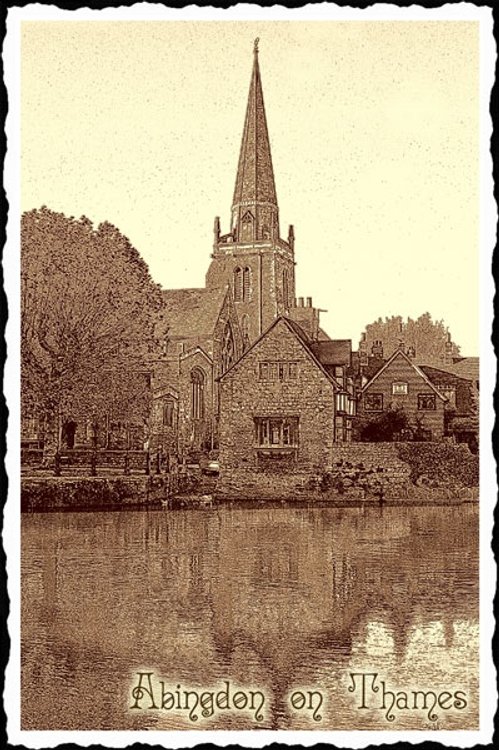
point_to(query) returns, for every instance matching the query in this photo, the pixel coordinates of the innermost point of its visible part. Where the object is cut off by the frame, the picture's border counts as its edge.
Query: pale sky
(374, 130)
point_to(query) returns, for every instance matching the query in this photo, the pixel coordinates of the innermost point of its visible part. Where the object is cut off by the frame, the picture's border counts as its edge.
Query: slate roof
(191, 312)
(333, 352)
(467, 368)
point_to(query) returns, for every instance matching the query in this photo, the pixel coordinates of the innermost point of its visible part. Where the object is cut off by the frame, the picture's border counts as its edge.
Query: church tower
(252, 258)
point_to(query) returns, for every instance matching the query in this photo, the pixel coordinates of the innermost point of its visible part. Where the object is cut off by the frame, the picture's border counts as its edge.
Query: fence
(94, 462)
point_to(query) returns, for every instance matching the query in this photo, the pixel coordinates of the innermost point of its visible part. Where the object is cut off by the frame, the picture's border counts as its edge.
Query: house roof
(333, 352)
(400, 353)
(440, 376)
(300, 335)
(467, 368)
(192, 312)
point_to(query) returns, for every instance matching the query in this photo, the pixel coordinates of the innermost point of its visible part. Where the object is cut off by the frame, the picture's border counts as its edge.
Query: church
(249, 287)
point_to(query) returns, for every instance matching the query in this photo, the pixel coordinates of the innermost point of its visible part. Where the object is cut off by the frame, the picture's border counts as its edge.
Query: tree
(429, 339)
(88, 306)
(384, 427)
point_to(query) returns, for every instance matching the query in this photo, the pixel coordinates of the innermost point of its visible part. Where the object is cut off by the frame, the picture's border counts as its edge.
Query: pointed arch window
(285, 287)
(238, 284)
(197, 393)
(228, 348)
(245, 331)
(168, 412)
(247, 227)
(247, 284)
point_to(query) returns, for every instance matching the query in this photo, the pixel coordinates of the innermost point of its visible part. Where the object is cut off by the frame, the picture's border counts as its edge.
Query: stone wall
(308, 397)
(86, 493)
(365, 472)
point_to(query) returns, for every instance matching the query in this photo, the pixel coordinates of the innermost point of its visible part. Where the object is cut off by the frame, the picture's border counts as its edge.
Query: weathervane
(255, 45)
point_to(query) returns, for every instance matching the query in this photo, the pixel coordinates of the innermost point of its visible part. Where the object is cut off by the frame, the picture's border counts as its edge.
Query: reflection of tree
(263, 597)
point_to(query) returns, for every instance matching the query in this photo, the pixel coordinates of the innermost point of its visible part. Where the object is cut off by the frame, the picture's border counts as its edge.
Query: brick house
(459, 383)
(281, 412)
(399, 383)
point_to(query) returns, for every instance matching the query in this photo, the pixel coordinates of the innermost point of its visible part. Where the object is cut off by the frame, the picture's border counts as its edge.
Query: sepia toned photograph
(250, 341)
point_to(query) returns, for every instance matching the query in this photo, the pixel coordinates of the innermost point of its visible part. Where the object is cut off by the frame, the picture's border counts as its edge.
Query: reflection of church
(250, 282)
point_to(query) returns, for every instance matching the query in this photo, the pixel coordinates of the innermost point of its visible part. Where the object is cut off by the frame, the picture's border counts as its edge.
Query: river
(282, 601)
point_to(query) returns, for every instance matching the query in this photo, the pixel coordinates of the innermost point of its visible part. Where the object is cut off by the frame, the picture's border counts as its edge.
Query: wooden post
(148, 463)
(57, 463)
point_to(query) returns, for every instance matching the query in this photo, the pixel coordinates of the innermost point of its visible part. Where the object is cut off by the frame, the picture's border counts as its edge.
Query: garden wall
(367, 472)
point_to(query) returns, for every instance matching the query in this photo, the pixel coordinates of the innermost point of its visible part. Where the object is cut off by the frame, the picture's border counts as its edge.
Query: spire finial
(255, 45)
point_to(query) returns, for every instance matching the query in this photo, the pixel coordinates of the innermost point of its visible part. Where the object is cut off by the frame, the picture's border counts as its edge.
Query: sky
(374, 130)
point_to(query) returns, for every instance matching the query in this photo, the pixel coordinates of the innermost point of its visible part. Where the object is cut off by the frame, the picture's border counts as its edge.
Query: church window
(168, 412)
(238, 284)
(285, 287)
(247, 284)
(247, 227)
(197, 393)
(245, 330)
(228, 348)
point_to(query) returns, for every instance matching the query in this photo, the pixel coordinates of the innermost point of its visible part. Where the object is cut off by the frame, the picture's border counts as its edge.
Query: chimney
(309, 301)
(291, 237)
(300, 301)
(216, 230)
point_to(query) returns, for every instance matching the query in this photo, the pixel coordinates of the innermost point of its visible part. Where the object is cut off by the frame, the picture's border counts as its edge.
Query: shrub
(385, 427)
(441, 463)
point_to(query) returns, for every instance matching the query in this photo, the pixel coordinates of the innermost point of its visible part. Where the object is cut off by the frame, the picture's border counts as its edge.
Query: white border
(175, 739)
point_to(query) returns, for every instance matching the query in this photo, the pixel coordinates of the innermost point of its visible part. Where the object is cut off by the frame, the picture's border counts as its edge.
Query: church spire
(254, 207)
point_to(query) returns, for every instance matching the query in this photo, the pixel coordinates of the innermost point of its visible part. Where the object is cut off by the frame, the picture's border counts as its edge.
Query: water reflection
(272, 598)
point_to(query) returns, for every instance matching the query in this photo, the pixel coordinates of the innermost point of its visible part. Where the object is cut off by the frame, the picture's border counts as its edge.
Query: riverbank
(49, 493)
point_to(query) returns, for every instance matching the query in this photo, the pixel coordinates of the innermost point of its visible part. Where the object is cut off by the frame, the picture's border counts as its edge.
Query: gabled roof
(300, 335)
(196, 350)
(400, 353)
(438, 375)
(467, 368)
(192, 312)
(322, 335)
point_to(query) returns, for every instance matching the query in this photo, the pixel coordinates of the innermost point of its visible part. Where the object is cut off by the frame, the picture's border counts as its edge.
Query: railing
(83, 461)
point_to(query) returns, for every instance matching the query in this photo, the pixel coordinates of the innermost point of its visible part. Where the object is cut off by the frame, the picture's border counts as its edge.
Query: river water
(284, 602)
